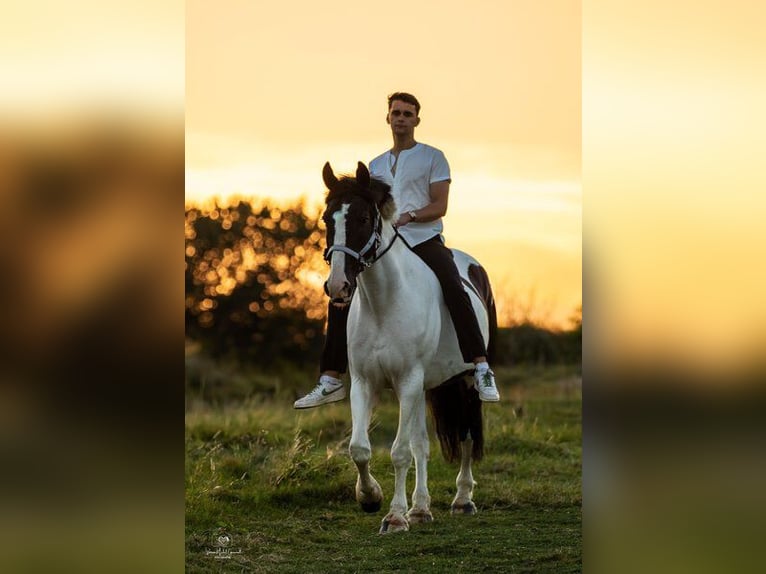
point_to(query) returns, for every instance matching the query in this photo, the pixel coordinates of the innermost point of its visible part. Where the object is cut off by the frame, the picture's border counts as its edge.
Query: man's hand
(404, 219)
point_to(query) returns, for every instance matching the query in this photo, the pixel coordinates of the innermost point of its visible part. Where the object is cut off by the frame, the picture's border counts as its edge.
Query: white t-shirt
(416, 169)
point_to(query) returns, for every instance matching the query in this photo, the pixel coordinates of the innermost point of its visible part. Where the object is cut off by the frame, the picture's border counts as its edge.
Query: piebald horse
(400, 335)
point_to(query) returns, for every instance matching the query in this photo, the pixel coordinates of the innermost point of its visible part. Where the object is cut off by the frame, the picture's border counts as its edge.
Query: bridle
(368, 254)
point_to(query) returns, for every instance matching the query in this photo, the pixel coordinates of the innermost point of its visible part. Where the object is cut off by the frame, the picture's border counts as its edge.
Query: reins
(382, 253)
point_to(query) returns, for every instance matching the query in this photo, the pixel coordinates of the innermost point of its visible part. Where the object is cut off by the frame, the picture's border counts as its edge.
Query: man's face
(402, 117)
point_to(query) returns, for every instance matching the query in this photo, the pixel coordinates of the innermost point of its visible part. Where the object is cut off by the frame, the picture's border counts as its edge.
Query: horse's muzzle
(339, 293)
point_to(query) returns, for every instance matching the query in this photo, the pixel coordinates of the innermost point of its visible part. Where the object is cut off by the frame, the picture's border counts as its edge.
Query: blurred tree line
(529, 343)
(253, 278)
(254, 283)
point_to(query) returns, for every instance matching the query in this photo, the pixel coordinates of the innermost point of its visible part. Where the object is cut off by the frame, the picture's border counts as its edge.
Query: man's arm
(439, 194)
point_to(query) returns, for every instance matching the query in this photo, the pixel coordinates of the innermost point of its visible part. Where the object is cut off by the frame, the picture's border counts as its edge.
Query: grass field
(280, 484)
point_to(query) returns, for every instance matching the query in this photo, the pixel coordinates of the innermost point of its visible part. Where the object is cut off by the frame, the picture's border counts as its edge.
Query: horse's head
(356, 209)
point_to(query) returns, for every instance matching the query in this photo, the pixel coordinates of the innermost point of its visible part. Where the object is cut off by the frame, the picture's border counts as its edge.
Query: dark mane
(347, 185)
(344, 190)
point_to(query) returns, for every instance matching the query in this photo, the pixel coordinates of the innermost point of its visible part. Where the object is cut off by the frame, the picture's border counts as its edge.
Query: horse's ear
(362, 175)
(329, 177)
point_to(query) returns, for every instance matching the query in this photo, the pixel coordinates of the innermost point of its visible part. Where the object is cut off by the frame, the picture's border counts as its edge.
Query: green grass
(280, 483)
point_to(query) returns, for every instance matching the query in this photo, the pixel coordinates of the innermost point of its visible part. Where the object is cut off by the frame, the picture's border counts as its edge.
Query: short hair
(404, 97)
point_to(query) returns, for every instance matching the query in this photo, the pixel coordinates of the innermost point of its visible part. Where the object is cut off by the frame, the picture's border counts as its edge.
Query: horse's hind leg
(368, 492)
(463, 503)
(420, 447)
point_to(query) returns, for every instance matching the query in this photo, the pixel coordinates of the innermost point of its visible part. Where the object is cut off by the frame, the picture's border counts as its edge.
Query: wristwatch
(412, 215)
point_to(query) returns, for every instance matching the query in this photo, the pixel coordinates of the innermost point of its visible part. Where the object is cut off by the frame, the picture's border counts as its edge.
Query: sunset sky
(273, 90)
(672, 122)
(674, 140)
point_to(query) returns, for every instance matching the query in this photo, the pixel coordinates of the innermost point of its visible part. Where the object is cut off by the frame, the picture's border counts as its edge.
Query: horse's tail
(456, 411)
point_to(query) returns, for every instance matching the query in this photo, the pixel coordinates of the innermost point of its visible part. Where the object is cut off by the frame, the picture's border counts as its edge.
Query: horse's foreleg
(420, 448)
(463, 503)
(401, 456)
(368, 491)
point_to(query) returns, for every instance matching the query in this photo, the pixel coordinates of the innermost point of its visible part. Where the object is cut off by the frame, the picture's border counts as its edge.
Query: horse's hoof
(466, 509)
(389, 526)
(419, 516)
(370, 506)
(370, 499)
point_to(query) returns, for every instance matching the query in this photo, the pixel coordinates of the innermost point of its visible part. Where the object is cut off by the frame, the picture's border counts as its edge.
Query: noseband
(367, 255)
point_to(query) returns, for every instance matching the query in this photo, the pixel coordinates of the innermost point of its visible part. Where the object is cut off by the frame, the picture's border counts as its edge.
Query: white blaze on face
(338, 258)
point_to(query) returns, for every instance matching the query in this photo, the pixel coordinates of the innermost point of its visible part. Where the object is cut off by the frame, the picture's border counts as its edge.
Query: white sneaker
(328, 390)
(484, 382)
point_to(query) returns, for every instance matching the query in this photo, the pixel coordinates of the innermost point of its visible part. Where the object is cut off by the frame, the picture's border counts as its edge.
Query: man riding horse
(419, 177)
